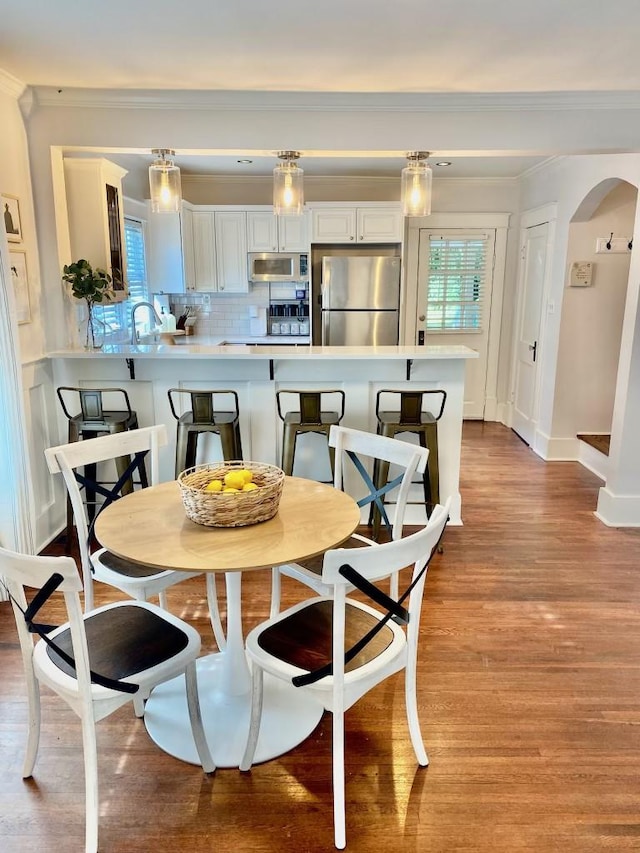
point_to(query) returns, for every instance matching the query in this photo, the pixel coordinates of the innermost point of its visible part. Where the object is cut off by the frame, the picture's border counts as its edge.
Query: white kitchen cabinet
(204, 251)
(293, 233)
(379, 225)
(93, 189)
(262, 231)
(357, 225)
(231, 252)
(197, 250)
(269, 233)
(165, 270)
(188, 262)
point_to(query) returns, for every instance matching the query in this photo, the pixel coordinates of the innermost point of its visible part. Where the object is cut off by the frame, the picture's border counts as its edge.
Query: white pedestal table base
(288, 717)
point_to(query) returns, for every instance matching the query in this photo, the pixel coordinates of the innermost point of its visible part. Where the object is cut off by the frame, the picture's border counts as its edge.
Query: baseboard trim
(593, 460)
(618, 510)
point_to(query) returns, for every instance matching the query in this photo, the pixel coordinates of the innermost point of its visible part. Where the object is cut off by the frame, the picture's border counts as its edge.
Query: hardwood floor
(529, 695)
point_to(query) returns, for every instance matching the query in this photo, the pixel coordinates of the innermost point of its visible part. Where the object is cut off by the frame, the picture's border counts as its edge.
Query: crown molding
(335, 101)
(367, 180)
(493, 179)
(268, 179)
(10, 85)
(541, 167)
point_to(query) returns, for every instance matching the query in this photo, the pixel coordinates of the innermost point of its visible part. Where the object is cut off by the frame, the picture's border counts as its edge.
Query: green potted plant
(92, 285)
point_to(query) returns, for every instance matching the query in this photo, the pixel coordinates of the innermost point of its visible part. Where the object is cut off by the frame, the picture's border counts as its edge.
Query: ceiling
(360, 46)
(334, 164)
(333, 46)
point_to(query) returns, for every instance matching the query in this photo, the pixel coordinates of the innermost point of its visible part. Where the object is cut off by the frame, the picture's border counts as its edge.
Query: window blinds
(136, 267)
(117, 316)
(456, 282)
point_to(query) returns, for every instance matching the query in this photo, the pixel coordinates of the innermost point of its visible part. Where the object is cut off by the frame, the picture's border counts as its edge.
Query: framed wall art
(11, 216)
(20, 279)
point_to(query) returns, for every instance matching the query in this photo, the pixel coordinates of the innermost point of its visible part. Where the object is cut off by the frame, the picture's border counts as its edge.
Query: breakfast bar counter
(256, 372)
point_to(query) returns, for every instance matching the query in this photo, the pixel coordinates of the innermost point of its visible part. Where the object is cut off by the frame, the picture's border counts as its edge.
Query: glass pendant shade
(164, 183)
(416, 185)
(288, 188)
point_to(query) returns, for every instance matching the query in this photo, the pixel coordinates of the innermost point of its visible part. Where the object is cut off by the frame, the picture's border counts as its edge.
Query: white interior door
(455, 285)
(525, 393)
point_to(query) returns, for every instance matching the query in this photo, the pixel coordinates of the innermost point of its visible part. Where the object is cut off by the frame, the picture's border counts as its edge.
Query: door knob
(421, 318)
(534, 348)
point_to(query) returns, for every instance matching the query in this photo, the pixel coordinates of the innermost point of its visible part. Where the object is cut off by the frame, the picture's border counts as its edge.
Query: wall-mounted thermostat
(581, 274)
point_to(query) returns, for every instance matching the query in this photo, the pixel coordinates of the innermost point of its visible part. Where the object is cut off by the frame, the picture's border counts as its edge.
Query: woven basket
(231, 509)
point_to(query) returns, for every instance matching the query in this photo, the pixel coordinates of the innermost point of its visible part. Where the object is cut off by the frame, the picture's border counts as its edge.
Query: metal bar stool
(308, 418)
(93, 420)
(411, 418)
(204, 417)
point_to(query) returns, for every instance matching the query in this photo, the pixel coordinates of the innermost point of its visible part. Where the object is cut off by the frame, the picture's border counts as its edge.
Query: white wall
(15, 528)
(591, 329)
(15, 180)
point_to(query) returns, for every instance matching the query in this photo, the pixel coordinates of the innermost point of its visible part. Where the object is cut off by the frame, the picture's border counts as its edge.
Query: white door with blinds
(455, 282)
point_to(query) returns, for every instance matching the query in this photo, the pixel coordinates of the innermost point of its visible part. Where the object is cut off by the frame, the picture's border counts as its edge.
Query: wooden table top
(150, 527)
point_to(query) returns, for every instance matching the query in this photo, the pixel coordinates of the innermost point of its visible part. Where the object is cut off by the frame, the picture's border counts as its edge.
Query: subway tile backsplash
(228, 313)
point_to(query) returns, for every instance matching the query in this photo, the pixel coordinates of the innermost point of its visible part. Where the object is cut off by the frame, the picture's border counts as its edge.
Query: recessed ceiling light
(245, 161)
(444, 163)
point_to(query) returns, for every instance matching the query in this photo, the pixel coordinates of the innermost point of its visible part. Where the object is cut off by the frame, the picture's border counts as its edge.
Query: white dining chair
(96, 662)
(337, 648)
(75, 461)
(358, 450)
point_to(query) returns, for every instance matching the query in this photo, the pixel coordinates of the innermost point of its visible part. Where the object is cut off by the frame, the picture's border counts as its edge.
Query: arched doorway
(593, 310)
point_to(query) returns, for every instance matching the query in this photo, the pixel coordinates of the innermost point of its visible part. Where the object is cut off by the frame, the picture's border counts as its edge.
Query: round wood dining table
(150, 527)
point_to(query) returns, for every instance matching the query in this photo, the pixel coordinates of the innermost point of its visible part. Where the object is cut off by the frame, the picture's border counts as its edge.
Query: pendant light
(164, 182)
(288, 190)
(416, 185)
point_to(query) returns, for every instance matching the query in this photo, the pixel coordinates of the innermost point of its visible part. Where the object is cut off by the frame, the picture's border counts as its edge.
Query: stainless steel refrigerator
(360, 301)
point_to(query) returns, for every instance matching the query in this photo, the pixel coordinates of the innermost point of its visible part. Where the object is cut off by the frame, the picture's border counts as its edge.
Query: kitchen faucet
(134, 334)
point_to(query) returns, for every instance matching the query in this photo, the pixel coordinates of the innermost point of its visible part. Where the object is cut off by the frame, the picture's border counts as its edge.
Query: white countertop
(201, 348)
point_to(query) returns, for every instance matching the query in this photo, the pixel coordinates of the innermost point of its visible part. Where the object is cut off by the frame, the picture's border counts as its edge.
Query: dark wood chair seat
(124, 567)
(305, 638)
(123, 642)
(314, 564)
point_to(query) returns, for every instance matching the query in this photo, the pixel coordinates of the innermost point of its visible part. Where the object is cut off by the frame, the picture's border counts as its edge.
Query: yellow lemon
(249, 487)
(247, 475)
(231, 489)
(234, 479)
(214, 486)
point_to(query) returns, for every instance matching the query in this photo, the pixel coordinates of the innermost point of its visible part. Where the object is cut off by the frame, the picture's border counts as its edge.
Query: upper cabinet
(357, 224)
(197, 249)
(205, 248)
(231, 252)
(269, 233)
(186, 238)
(166, 260)
(204, 251)
(93, 190)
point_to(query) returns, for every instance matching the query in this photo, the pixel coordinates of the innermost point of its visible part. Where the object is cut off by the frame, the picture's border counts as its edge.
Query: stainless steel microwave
(278, 266)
